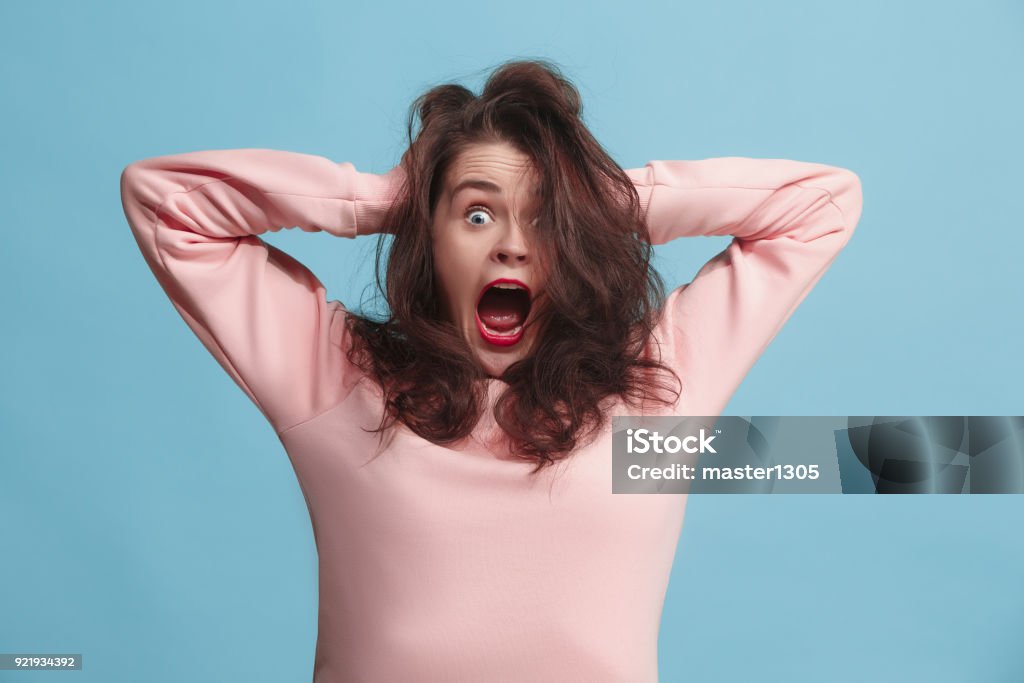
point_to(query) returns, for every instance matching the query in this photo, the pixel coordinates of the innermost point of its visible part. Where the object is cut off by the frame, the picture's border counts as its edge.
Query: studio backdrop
(151, 521)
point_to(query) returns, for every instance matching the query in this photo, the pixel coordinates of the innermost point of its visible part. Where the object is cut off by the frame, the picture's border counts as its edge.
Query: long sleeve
(788, 219)
(264, 316)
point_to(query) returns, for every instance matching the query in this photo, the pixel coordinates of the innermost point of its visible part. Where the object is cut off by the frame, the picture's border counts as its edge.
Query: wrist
(374, 196)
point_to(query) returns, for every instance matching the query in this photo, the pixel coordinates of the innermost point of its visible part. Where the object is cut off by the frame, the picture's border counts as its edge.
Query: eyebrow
(484, 185)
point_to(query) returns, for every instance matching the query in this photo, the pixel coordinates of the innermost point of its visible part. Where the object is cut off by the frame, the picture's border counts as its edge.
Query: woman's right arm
(264, 316)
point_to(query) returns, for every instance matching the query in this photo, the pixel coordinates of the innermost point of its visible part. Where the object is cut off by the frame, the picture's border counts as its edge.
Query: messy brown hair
(604, 297)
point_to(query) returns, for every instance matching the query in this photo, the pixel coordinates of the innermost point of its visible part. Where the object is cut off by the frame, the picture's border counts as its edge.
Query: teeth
(510, 333)
(507, 285)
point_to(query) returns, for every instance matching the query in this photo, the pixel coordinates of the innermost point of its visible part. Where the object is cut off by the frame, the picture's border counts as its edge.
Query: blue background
(150, 518)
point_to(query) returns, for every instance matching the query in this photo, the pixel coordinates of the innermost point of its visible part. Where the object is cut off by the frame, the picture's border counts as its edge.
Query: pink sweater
(453, 564)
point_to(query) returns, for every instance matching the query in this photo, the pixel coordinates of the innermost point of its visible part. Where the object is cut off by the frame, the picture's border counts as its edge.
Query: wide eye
(475, 212)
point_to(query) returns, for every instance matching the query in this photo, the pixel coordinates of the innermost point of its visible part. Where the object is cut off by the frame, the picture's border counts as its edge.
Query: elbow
(130, 203)
(848, 196)
(130, 182)
(840, 202)
(138, 197)
(843, 193)
(142, 186)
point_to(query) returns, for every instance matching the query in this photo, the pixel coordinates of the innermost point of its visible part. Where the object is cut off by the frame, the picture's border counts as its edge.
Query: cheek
(449, 273)
(459, 259)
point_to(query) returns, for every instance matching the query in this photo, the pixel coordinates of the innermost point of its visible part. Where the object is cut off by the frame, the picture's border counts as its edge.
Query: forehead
(495, 168)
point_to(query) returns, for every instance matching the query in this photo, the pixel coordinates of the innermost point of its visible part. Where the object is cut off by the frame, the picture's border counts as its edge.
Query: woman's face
(482, 236)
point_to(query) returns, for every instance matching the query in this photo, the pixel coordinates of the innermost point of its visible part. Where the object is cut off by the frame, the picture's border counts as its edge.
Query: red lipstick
(503, 281)
(493, 336)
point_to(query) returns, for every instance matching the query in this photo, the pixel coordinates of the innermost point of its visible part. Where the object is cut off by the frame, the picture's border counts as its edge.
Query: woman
(480, 540)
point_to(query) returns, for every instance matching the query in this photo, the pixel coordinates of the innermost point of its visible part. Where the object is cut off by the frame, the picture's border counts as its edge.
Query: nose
(512, 246)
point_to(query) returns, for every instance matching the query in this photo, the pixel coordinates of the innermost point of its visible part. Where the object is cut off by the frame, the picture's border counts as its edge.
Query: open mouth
(502, 310)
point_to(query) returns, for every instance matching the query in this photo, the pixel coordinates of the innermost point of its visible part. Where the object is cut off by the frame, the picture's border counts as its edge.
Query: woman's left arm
(788, 219)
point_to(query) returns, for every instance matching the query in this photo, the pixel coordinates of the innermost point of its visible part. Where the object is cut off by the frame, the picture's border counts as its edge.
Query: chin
(495, 363)
(495, 360)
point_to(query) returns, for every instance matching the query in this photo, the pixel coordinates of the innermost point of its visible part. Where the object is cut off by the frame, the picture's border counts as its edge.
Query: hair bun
(537, 84)
(442, 101)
